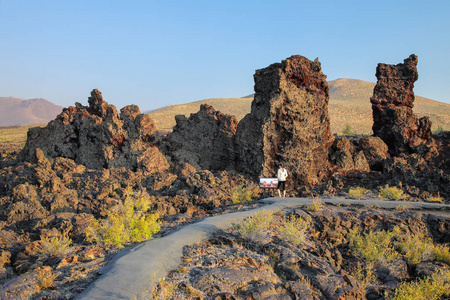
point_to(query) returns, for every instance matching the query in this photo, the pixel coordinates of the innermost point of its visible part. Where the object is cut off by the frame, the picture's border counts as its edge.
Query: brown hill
(349, 104)
(19, 112)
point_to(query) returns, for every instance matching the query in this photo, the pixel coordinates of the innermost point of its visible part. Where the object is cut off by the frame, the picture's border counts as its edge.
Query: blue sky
(157, 53)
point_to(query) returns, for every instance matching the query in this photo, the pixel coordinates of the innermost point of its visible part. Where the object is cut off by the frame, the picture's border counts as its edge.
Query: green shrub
(164, 290)
(425, 289)
(256, 227)
(441, 253)
(439, 129)
(435, 198)
(55, 246)
(127, 223)
(348, 130)
(357, 193)
(45, 278)
(241, 194)
(416, 248)
(316, 205)
(401, 207)
(293, 230)
(391, 193)
(364, 274)
(375, 247)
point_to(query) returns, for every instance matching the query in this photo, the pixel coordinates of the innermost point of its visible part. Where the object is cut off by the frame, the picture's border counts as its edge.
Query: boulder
(375, 151)
(392, 103)
(205, 140)
(288, 123)
(97, 137)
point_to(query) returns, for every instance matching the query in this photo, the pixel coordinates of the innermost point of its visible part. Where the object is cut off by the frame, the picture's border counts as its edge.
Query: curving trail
(128, 275)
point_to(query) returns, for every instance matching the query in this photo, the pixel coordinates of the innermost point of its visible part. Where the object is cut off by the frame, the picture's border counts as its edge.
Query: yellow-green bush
(374, 246)
(364, 274)
(358, 192)
(416, 248)
(45, 278)
(441, 253)
(435, 198)
(256, 227)
(55, 246)
(391, 193)
(241, 194)
(316, 205)
(164, 290)
(293, 230)
(127, 223)
(425, 289)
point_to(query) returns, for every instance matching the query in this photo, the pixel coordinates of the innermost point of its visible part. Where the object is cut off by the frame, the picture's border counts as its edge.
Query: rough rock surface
(97, 137)
(375, 151)
(57, 196)
(392, 104)
(323, 266)
(205, 140)
(288, 123)
(345, 155)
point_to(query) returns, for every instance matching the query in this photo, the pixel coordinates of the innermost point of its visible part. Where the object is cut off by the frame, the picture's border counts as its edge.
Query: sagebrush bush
(441, 253)
(358, 192)
(164, 290)
(424, 289)
(316, 205)
(45, 278)
(375, 247)
(365, 274)
(55, 246)
(415, 248)
(255, 228)
(391, 193)
(293, 230)
(435, 198)
(127, 223)
(241, 194)
(402, 207)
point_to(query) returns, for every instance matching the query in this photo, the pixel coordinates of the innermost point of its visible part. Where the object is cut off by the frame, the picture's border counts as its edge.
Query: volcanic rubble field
(88, 163)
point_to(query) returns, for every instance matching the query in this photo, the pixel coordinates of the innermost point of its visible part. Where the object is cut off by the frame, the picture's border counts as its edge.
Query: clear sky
(157, 53)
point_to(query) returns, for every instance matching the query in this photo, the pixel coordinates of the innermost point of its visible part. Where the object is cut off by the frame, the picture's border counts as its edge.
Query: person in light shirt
(282, 175)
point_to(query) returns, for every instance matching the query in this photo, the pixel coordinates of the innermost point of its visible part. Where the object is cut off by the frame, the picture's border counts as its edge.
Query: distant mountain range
(20, 112)
(349, 104)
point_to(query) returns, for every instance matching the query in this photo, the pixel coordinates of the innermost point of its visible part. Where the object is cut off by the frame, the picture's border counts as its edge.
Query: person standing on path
(282, 175)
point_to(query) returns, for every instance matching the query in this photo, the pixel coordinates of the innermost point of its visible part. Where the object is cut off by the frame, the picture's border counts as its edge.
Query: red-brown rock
(392, 103)
(288, 123)
(97, 137)
(205, 140)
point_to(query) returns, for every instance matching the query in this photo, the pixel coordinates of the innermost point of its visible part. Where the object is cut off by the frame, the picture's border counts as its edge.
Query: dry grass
(349, 105)
(15, 134)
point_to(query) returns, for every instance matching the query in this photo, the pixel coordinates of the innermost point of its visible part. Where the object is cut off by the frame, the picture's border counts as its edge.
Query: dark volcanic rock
(344, 154)
(392, 103)
(97, 137)
(375, 151)
(205, 140)
(288, 123)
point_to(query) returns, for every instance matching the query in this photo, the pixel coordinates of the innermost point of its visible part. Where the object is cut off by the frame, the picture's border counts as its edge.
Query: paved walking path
(128, 275)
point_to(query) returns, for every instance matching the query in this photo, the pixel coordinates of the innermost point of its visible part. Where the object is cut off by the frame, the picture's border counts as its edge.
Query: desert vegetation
(95, 180)
(284, 248)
